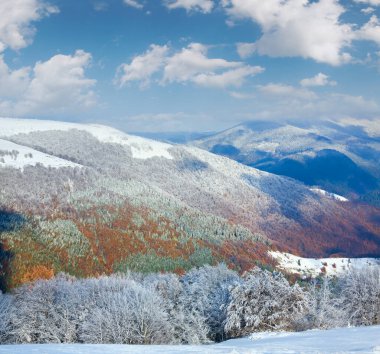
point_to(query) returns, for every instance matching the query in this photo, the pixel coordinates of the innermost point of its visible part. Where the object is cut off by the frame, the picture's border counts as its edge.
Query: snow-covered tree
(324, 306)
(125, 312)
(45, 312)
(208, 290)
(361, 295)
(5, 309)
(265, 301)
(187, 322)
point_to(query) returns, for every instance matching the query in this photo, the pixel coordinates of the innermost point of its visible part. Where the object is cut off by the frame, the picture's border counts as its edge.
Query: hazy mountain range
(341, 158)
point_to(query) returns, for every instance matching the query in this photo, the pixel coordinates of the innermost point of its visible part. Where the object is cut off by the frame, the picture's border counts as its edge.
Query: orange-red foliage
(36, 273)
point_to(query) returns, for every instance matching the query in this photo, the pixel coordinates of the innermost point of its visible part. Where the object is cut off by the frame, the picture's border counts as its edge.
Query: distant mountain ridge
(342, 159)
(121, 201)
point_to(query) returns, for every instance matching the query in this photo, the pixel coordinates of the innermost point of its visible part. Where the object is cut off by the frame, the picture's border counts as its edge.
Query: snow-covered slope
(269, 206)
(315, 267)
(18, 156)
(141, 148)
(342, 340)
(328, 194)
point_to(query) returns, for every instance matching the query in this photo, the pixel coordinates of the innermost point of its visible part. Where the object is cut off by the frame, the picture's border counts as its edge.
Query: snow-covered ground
(141, 148)
(314, 267)
(328, 194)
(19, 156)
(341, 340)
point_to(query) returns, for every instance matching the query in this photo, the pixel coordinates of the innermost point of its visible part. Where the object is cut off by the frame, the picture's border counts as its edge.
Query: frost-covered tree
(208, 290)
(324, 306)
(46, 312)
(187, 322)
(5, 309)
(125, 312)
(361, 296)
(265, 301)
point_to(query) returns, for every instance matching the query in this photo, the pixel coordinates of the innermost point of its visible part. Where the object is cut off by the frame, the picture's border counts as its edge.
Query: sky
(189, 65)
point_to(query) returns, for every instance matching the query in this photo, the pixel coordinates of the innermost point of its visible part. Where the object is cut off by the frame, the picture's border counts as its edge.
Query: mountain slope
(340, 158)
(126, 202)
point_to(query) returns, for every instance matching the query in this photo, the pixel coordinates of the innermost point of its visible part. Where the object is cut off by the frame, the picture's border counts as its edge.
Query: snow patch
(339, 340)
(314, 267)
(141, 148)
(330, 195)
(18, 156)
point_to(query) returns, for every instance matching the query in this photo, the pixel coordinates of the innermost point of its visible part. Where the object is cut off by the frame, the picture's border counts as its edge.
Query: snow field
(340, 340)
(141, 148)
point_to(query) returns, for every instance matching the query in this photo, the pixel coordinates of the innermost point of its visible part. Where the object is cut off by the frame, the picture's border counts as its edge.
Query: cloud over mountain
(188, 65)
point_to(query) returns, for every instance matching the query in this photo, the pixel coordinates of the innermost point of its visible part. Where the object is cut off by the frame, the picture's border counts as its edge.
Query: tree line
(207, 304)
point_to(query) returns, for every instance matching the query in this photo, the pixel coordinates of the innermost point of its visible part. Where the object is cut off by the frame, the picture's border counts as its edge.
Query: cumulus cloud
(57, 85)
(370, 31)
(134, 3)
(304, 28)
(245, 50)
(204, 6)
(16, 21)
(189, 65)
(13, 82)
(143, 67)
(318, 80)
(192, 61)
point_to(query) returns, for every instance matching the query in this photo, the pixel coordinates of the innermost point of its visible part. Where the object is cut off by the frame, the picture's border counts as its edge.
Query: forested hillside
(90, 200)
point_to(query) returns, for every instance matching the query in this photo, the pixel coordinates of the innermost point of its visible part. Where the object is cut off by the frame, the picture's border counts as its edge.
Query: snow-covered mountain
(341, 158)
(141, 148)
(91, 185)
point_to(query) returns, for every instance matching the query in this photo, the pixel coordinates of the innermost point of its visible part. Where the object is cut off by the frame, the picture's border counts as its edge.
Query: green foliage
(152, 263)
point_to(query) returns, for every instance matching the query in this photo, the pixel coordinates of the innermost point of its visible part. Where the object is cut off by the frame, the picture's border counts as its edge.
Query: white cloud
(14, 82)
(55, 86)
(367, 10)
(191, 61)
(245, 50)
(287, 91)
(369, 2)
(143, 66)
(304, 28)
(230, 78)
(242, 95)
(16, 18)
(189, 65)
(370, 126)
(134, 3)
(318, 80)
(204, 6)
(370, 31)
(326, 106)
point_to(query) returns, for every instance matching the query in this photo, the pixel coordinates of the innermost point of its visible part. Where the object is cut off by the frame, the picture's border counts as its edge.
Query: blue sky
(189, 65)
